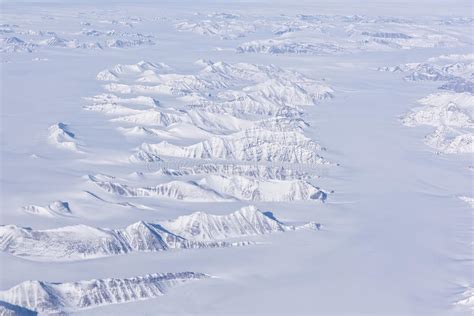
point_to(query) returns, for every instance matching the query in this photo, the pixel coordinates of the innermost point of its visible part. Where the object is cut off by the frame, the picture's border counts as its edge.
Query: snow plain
(313, 157)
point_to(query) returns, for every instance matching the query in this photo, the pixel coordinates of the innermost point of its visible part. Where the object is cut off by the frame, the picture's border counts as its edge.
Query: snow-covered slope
(456, 71)
(450, 114)
(14, 45)
(56, 208)
(253, 171)
(287, 46)
(54, 297)
(132, 70)
(247, 221)
(249, 189)
(187, 112)
(82, 242)
(250, 145)
(7, 309)
(467, 300)
(106, 98)
(174, 190)
(166, 84)
(468, 200)
(450, 111)
(223, 25)
(219, 188)
(451, 141)
(61, 137)
(198, 230)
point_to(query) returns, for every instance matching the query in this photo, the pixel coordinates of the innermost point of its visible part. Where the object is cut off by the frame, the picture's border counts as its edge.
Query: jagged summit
(173, 190)
(249, 189)
(247, 170)
(48, 297)
(197, 230)
(250, 145)
(246, 221)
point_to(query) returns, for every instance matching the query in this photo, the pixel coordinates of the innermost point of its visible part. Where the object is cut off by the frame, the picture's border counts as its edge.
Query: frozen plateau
(237, 157)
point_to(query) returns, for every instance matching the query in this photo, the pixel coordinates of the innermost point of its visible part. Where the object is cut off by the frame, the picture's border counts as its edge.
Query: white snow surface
(297, 152)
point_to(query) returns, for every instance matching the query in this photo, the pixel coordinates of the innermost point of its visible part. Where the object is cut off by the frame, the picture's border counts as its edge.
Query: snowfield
(288, 156)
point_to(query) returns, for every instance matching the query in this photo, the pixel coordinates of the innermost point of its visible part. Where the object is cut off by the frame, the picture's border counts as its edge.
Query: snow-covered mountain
(132, 70)
(450, 114)
(137, 135)
(14, 45)
(451, 141)
(55, 208)
(61, 137)
(247, 221)
(250, 145)
(82, 242)
(250, 189)
(197, 230)
(450, 111)
(252, 171)
(287, 46)
(174, 190)
(53, 297)
(219, 188)
(224, 28)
